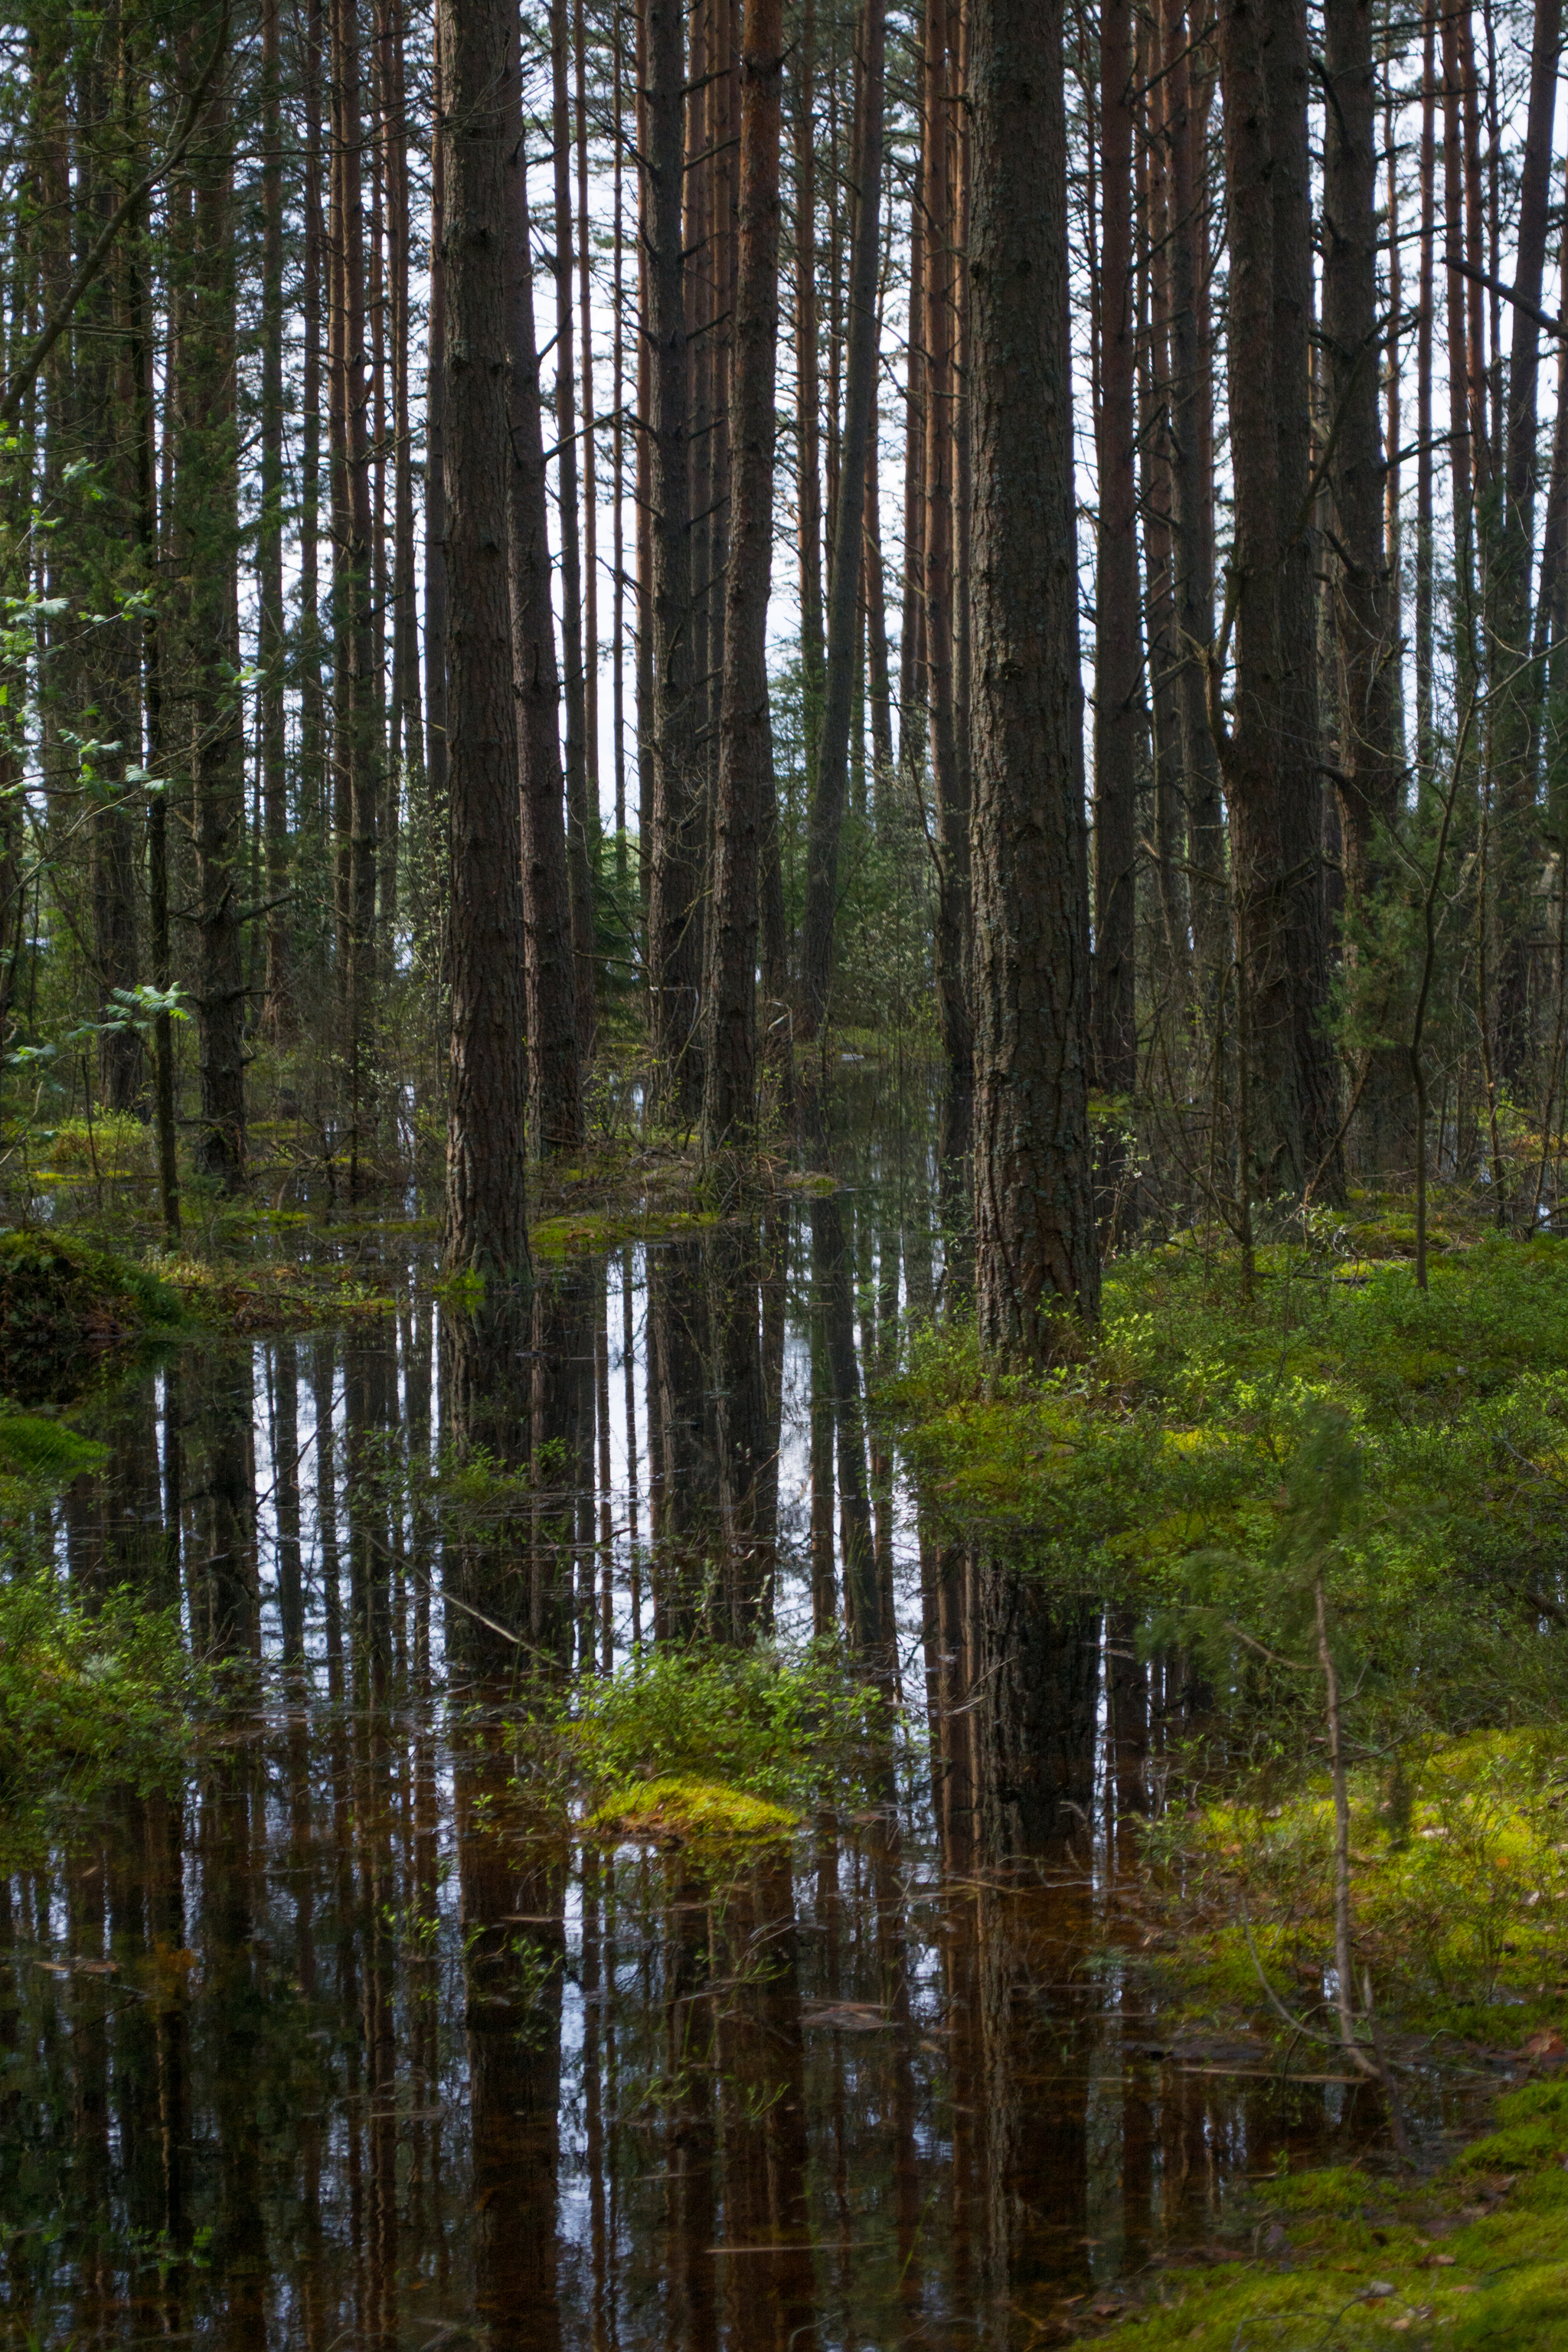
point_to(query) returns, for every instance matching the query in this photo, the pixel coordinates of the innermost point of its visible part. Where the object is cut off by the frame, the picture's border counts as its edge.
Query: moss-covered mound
(64, 1309)
(681, 1809)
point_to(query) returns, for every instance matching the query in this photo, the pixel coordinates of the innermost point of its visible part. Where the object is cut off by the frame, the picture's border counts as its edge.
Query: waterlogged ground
(337, 2046)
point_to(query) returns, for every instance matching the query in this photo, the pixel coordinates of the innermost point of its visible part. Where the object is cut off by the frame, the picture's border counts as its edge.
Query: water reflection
(335, 2048)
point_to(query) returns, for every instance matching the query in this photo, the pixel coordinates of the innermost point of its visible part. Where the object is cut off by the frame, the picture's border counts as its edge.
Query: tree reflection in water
(336, 2045)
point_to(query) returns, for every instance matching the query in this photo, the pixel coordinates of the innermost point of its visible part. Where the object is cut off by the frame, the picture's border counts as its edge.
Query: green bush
(787, 1727)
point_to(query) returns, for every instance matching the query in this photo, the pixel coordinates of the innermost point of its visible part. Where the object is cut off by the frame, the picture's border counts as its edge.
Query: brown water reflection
(331, 2049)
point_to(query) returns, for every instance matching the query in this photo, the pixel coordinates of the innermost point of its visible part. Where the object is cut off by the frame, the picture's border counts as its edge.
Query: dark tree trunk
(436, 484)
(1518, 723)
(276, 1003)
(808, 383)
(485, 1205)
(95, 527)
(358, 750)
(675, 881)
(1117, 638)
(1423, 332)
(206, 535)
(1270, 751)
(826, 816)
(1192, 485)
(554, 1028)
(1365, 607)
(745, 746)
(950, 772)
(1033, 1209)
(582, 825)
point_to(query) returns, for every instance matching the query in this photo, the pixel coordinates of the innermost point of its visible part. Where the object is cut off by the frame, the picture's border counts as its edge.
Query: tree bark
(206, 526)
(580, 818)
(554, 1020)
(1118, 635)
(1034, 1210)
(1192, 483)
(826, 813)
(745, 748)
(358, 749)
(1518, 720)
(1270, 751)
(675, 880)
(1365, 610)
(277, 1004)
(487, 1230)
(948, 774)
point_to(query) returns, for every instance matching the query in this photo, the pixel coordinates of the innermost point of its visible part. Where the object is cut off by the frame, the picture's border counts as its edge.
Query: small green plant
(783, 1727)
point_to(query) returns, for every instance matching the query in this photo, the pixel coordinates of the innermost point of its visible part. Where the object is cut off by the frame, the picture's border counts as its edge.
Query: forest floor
(1476, 2255)
(1220, 1470)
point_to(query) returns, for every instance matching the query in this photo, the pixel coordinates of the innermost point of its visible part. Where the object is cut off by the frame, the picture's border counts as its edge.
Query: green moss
(267, 1295)
(1477, 2257)
(1460, 1889)
(556, 1238)
(679, 1808)
(64, 1309)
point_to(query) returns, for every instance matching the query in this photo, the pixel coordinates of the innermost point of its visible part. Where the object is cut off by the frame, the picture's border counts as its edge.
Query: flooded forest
(783, 1077)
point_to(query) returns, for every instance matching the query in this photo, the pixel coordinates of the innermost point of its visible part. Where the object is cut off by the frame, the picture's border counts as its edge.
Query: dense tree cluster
(541, 539)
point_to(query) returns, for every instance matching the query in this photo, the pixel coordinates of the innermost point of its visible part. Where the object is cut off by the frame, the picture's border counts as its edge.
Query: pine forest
(783, 1089)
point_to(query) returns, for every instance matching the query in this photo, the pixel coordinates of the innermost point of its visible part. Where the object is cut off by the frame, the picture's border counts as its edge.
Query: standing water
(345, 2042)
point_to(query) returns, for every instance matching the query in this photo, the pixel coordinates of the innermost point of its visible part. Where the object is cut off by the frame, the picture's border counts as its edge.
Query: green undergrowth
(1477, 2256)
(64, 1308)
(687, 1737)
(1160, 1464)
(97, 1689)
(1459, 1862)
(273, 1295)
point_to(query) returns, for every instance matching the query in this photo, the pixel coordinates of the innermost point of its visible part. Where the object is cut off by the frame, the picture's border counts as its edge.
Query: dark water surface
(332, 2048)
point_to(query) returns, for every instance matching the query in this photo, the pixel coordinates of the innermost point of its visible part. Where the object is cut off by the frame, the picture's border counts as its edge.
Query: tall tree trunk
(435, 703)
(948, 772)
(155, 627)
(555, 1027)
(827, 814)
(1424, 335)
(1033, 1208)
(308, 642)
(485, 1203)
(1365, 613)
(92, 677)
(1192, 482)
(581, 829)
(1151, 278)
(675, 881)
(808, 383)
(1117, 650)
(277, 1003)
(358, 754)
(745, 748)
(1517, 723)
(911, 649)
(206, 526)
(1270, 751)
(407, 782)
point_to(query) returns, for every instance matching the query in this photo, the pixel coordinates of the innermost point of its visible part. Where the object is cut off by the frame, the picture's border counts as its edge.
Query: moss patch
(682, 1808)
(1477, 2257)
(264, 1296)
(65, 1309)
